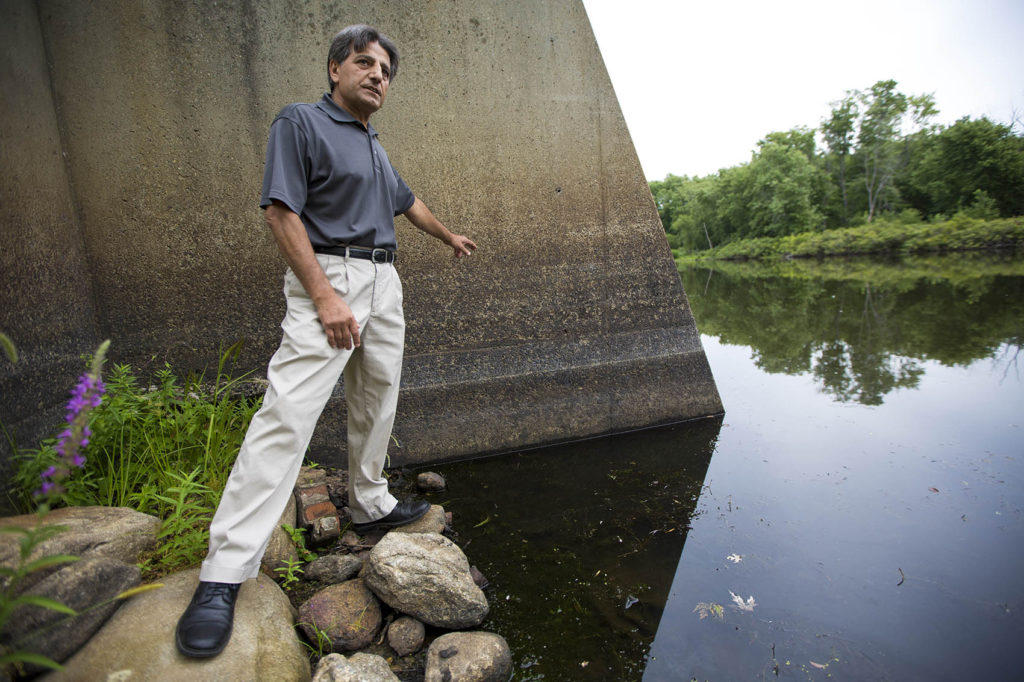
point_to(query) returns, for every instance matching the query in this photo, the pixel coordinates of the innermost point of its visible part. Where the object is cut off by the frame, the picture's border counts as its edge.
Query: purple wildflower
(86, 395)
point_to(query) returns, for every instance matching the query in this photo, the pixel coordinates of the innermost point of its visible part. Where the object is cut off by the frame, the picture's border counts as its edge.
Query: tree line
(878, 155)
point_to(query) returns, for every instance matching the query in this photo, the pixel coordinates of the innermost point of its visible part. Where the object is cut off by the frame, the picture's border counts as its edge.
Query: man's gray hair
(357, 37)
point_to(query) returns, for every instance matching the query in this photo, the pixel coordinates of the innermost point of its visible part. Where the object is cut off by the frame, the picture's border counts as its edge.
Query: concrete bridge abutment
(133, 135)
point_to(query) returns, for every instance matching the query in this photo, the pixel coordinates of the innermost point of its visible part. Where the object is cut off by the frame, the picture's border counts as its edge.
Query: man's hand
(336, 317)
(339, 323)
(463, 246)
(420, 216)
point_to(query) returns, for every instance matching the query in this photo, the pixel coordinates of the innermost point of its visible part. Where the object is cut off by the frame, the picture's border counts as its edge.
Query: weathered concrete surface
(45, 295)
(569, 321)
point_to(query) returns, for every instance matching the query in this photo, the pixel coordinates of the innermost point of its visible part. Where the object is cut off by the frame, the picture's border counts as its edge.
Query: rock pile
(379, 600)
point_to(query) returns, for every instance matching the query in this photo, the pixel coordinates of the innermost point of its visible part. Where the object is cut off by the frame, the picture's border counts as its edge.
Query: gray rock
(137, 643)
(406, 635)
(430, 482)
(280, 548)
(479, 578)
(82, 586)
(431, 522)
(324, 530)
(337, 488)
(115, 532)
(357, 668)
(468, 657)
(426, 576)
(333, 568)
(348, 614)
(350, 539)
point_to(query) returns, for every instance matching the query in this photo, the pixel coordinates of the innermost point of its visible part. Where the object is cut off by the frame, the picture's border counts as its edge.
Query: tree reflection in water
(862, 327)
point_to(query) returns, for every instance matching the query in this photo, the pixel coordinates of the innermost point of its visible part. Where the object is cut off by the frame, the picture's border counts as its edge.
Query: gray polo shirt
(330, 170)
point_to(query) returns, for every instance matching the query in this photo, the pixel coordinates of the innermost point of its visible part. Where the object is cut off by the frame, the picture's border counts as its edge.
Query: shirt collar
(331, 108)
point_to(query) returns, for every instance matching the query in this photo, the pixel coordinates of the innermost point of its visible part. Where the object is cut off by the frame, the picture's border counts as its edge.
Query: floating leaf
(743, 605)
(9, 350)
(706, 609)
(934, 490)
(735, 558)
(819, 666)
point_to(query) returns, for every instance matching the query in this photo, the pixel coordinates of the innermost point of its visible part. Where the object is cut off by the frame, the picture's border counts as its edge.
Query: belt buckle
(379, 255)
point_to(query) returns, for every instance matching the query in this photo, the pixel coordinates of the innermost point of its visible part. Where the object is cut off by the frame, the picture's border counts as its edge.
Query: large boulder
(468, 657)
(431, 522)
(426, 576)
(357, 668)
(115, 532)
(88, 586)
(348, 614)
(137, 642)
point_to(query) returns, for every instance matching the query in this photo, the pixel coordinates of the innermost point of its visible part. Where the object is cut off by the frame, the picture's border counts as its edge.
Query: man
(330, 195)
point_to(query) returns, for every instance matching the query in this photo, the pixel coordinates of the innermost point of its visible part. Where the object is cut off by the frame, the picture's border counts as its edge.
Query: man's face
(361, 81)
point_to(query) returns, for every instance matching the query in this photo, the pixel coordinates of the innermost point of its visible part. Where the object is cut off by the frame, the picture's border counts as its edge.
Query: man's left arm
(421, 216)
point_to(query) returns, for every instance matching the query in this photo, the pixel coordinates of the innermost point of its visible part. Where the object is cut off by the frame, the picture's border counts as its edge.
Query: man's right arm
(339, 323)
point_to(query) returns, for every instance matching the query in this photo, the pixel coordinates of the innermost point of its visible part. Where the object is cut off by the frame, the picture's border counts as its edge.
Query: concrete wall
(46, 302)
(569, 321)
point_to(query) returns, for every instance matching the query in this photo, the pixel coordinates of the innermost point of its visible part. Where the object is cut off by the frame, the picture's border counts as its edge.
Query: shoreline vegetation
(879, 238)
(877, 176)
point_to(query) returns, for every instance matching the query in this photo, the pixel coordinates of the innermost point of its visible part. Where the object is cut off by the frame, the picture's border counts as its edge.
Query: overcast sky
(700, 82)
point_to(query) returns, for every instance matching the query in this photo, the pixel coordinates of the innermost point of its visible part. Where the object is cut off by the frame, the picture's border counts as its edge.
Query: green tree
(800, 138)
(965, 158)
(881, 142)
(782, 192)
(668, 198)
(690, 229)
(839, 134)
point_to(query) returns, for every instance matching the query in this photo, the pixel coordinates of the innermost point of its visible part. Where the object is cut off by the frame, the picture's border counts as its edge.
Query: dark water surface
(856, 515)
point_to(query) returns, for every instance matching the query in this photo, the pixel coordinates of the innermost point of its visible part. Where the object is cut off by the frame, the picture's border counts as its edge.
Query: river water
(856, 514)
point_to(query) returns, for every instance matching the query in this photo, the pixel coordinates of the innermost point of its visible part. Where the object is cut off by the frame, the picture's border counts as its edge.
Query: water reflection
(880, 532)
(860, 327)
(580, 543)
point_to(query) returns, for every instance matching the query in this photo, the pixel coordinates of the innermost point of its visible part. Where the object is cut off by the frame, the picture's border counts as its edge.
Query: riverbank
(959, 233)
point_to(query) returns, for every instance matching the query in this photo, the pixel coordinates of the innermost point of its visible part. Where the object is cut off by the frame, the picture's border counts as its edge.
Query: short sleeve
(404, 198)
(285, 173)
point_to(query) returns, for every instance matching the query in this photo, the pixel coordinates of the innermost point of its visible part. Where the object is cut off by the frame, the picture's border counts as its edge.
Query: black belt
(376, 255)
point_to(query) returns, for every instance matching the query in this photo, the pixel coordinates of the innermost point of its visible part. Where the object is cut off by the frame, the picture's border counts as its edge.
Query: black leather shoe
(205, 627)
(403, 513)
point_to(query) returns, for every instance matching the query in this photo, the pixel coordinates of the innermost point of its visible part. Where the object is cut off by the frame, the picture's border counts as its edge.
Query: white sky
(700, 82)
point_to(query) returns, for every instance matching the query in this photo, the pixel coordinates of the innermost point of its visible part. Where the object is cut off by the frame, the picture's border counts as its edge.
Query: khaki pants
(302, 374)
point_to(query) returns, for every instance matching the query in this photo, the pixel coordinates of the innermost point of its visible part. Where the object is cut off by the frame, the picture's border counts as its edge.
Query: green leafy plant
(142, 436)
(289, 573)
(299, 540)
(184, 535)
(322, 644)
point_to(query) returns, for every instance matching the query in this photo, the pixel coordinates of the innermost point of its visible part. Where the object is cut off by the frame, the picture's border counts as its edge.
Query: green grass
(163, 447)
(960, 233)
